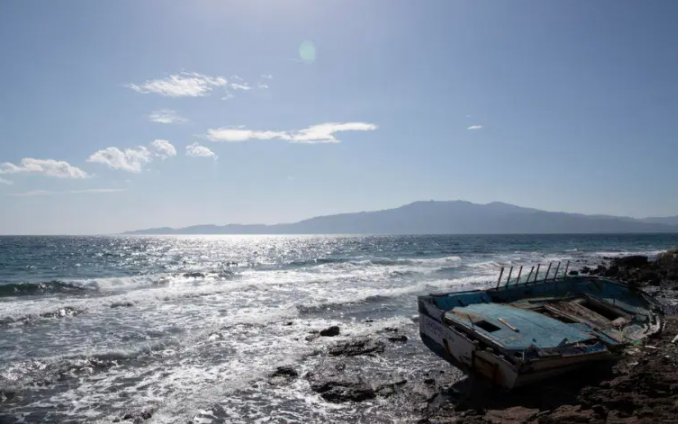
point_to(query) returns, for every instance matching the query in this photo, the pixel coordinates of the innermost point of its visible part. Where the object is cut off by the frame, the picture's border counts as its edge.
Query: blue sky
(121, 115)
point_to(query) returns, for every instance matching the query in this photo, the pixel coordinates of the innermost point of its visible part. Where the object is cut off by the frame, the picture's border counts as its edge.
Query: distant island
(445, 217)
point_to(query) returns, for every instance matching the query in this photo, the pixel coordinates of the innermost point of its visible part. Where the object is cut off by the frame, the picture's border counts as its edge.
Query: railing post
(536, 274)
(520, 271)
(527, 280)
(567, 265)
(508, 279)
(547, 272)
(499, 280)
(556, 274)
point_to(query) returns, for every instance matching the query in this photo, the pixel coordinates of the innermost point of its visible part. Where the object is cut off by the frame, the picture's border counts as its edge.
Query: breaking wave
(32, 289)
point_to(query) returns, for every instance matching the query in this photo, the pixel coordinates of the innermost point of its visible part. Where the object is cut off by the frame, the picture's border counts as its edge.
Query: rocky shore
(641, 388)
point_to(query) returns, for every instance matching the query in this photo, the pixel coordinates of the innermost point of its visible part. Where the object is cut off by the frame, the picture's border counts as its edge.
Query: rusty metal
(547, 271)
(527, 280)
(536, 274)
(508, 279)
(520, 271)
(567, 265)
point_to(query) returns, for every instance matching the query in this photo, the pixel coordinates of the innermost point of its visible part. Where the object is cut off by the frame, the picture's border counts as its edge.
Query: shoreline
(640, 388)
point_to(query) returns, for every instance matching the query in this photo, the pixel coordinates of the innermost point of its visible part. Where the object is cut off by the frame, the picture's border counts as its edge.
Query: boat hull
(463, 353)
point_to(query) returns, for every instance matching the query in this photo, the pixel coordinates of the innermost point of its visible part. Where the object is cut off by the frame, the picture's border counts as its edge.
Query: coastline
(639, 388)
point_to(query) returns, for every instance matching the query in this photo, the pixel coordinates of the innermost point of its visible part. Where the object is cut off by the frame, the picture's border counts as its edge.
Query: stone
(283, 375)
(335, 384)
(514, 415)
(357, 347)
(330, 331)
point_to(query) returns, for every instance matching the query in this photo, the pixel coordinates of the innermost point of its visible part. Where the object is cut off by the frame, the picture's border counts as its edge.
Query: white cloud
(6, 182)
(228, 96)
(133, 160)
(185, 84)
(265, 76)
(322, 133)
(262, 86)
(237, 86)
(35, 193)
(47, 167)
(166, 116)
(474, 127)
(163, 149)
(195, 150)
(130, 160)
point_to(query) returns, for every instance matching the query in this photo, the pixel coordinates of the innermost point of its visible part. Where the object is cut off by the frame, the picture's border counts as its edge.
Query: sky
(122, 115)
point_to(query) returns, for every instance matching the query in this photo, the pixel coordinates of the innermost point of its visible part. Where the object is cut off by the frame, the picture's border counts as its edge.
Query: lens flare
(307, 52)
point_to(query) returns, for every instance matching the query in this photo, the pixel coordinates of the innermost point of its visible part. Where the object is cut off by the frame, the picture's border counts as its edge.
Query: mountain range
(445, 217)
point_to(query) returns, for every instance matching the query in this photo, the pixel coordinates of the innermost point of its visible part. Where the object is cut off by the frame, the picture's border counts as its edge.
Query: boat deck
(549, 315)
(516, 328)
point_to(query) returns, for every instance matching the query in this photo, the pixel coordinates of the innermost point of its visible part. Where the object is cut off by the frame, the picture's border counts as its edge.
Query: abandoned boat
(519, 333)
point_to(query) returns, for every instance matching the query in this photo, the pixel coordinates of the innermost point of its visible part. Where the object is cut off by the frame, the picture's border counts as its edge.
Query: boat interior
(582, 314)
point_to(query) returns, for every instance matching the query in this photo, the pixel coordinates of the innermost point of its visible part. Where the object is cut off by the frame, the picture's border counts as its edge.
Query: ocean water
(92, 328)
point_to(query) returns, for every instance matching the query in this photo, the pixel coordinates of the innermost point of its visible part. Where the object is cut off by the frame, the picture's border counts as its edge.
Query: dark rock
(283, 375)
(139, 416)
(122, 305)
(649, 277)
(570, 414)
(612, 271)
(398, 339)
(386, 389)
(357, 347)
(336, 385)
(573, 273)
(194, 275)
(288, 323)
(634, 261)
(600, 270)
(585, 270)
(514, 415)
(330, 331)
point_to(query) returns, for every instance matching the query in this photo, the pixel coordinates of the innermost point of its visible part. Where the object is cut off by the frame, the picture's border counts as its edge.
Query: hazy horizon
(127, 115)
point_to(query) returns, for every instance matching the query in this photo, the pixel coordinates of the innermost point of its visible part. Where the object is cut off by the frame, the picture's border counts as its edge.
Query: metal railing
(536, 279)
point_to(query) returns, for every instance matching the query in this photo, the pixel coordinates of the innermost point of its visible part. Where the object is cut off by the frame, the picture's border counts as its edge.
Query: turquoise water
(93, 327)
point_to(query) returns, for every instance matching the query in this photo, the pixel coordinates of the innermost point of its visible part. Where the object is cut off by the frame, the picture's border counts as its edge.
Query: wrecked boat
(521, 332)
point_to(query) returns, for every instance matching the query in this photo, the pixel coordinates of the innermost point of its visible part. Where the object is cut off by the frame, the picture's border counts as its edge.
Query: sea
(93, 329)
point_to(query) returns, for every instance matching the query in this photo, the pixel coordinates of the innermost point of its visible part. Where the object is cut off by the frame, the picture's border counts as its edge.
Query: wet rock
(398, 339)
(357, 347)
(337, 385)
(139, 416)
(514, 415)
(600, 270)
(283, 375)
(570, 414)
(573, 273)
(634, 261)
(388, 388)
(330, 331)
(122, 305)
(194, 275)
(612, 271)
